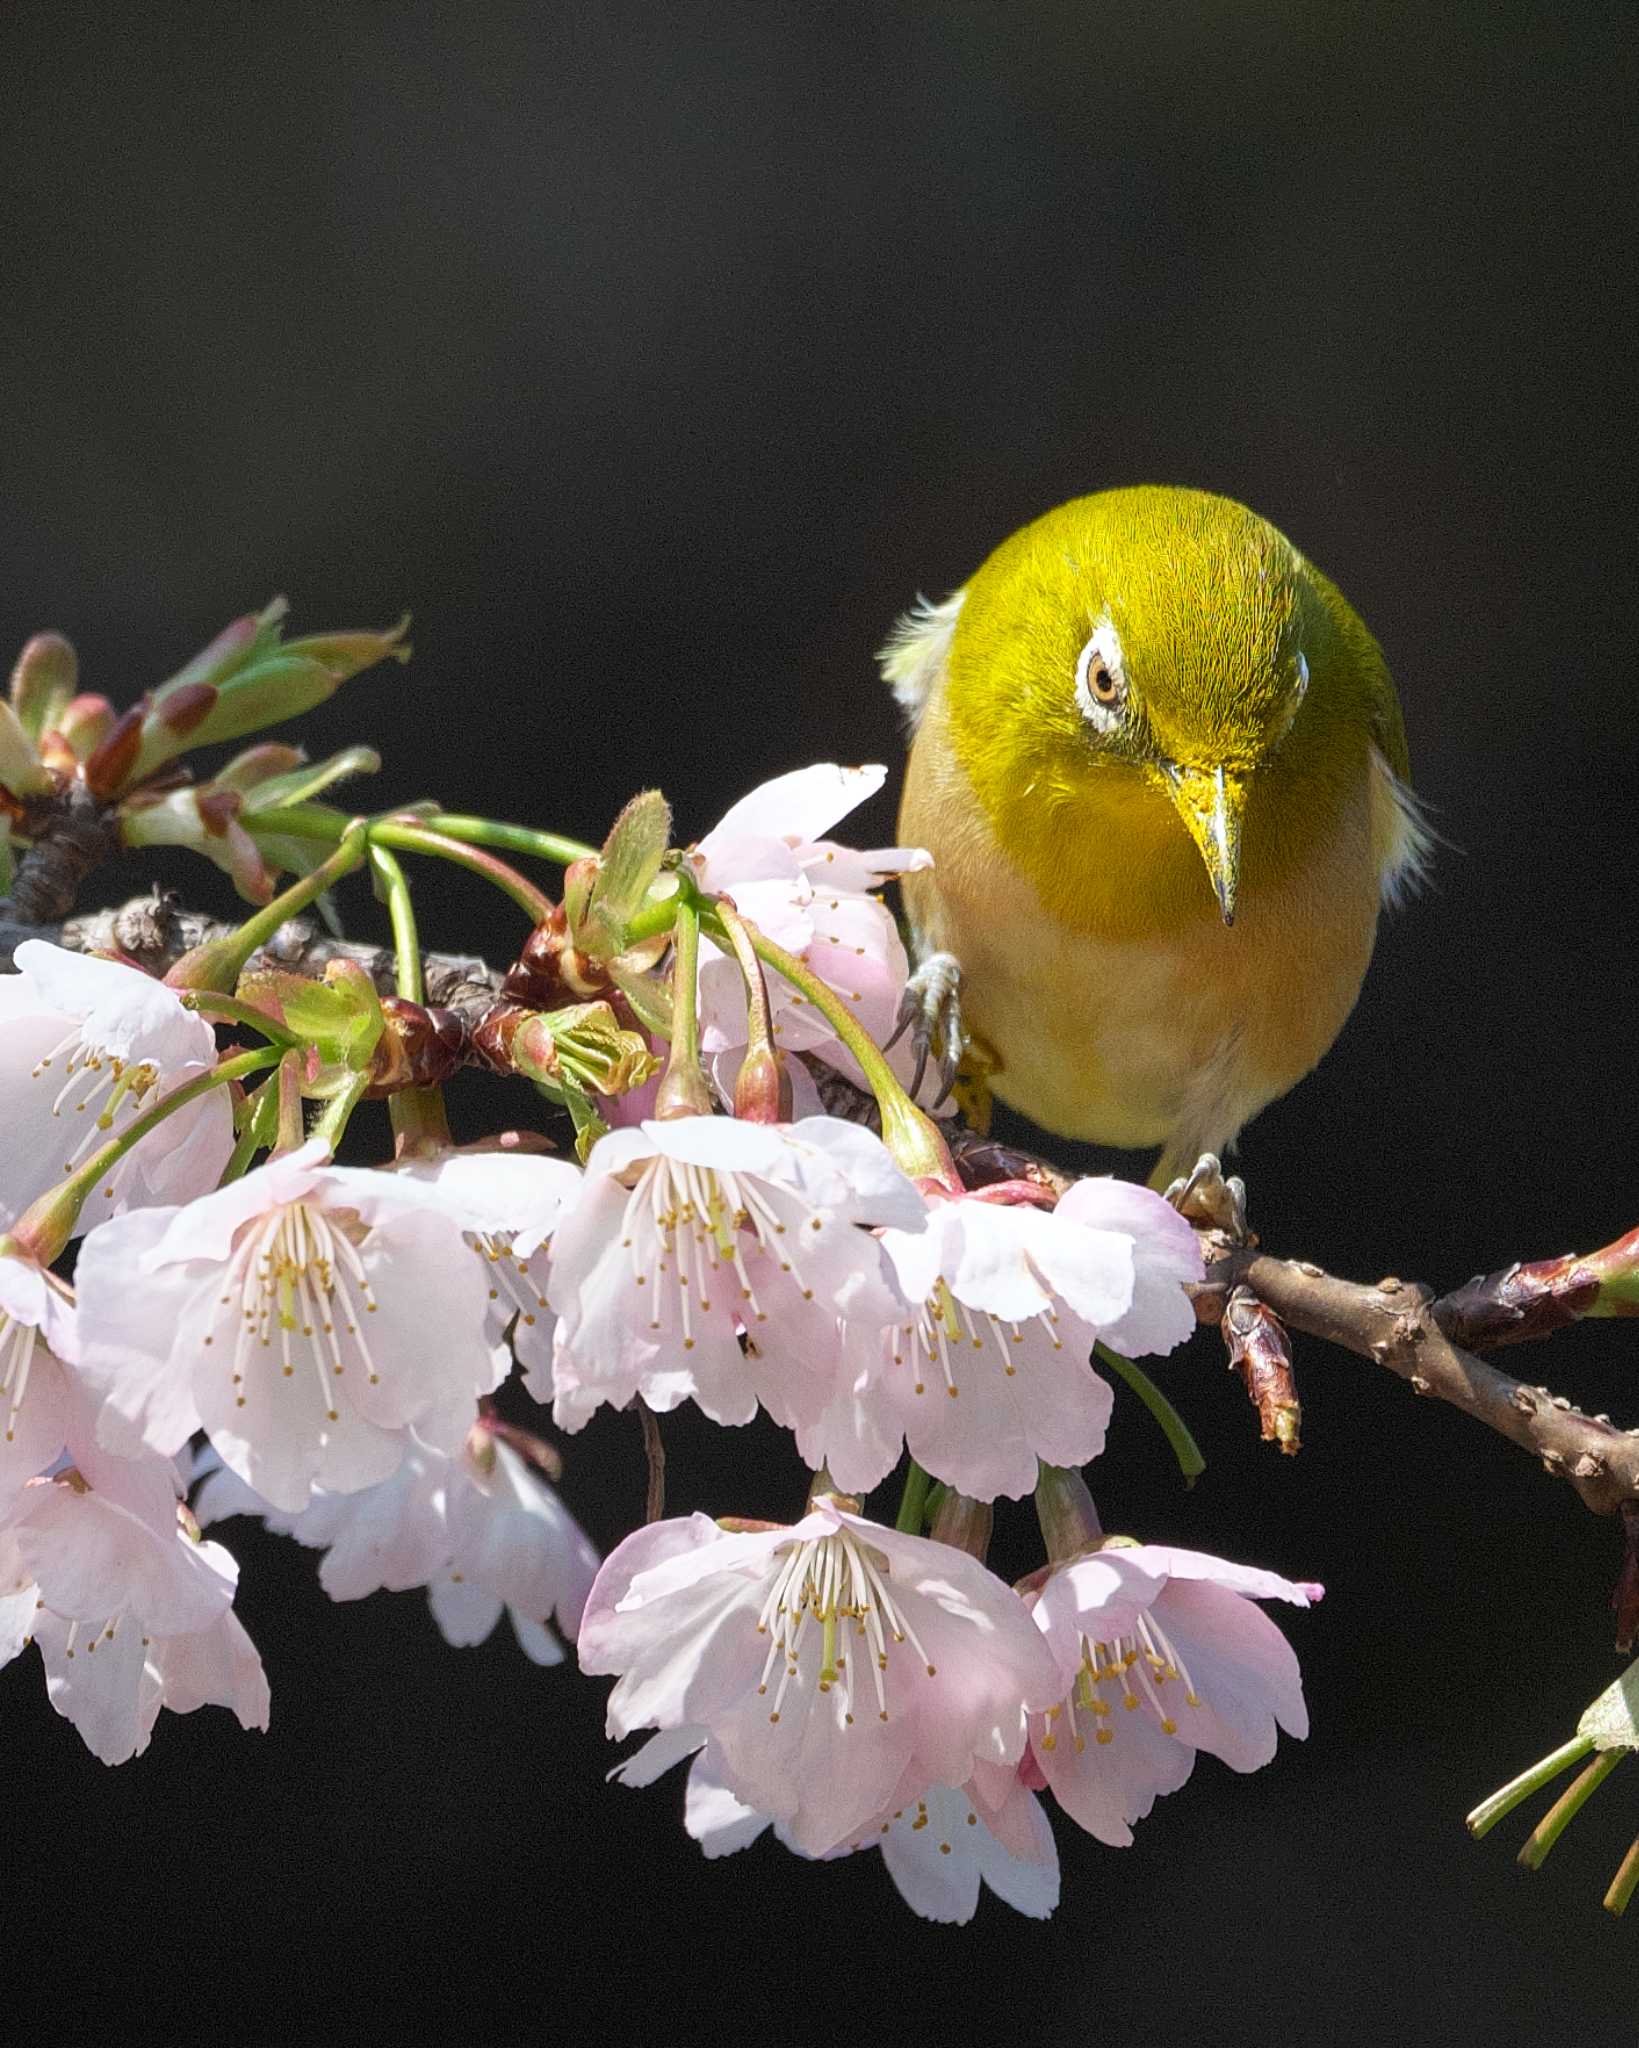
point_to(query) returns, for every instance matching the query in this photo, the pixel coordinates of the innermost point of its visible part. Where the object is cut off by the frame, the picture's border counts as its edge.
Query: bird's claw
(1204, 1195)
(931, 1011)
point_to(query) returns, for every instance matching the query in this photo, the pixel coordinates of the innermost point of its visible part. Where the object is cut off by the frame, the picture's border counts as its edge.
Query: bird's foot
(1204, 1195)
(931, 1011)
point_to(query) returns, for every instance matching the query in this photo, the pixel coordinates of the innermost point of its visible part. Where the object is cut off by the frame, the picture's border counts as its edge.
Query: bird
(1159, 764)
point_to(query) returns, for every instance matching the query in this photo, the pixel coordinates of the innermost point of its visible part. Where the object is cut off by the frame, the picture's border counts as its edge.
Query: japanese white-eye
(1159, 764)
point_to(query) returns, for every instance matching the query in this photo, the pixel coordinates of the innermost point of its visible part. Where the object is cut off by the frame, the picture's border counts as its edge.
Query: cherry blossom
(990, 1371)
(938, 1848)
(131, 1609)
(506, 1205)
(36, 1334)
(838, 1667)
(813, 897)
(1161, 1653)
(84, 1044)
(691, 1232)
(303, 1316)
(481, 1531)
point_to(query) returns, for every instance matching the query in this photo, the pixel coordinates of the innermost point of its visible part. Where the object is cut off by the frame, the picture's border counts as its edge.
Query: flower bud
(109, 765)
(239, 686)
(85, 722)
(207, 821)
(21, 772)
(43, 682)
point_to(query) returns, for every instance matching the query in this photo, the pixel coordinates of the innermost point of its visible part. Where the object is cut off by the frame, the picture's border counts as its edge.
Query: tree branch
(1397, 1324)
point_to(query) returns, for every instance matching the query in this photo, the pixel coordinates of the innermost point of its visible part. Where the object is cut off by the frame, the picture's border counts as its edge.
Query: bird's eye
(1101, 683)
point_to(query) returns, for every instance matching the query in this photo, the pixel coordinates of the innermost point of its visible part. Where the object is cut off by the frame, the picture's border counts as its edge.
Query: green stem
(685, 998)
(1503, 1801)
(659, 917)
(1173, 1426)
(218, 964)
(1566, 1808)
(414, 837)
(912, 1138)
(759, 1021)
(913, 1502)
(230, 1010)
(250, 1140)
(45, 1228)
(401, 915)
(550, 846)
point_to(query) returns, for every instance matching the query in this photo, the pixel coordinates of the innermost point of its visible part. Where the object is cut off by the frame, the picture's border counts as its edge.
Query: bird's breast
(1127, 1013)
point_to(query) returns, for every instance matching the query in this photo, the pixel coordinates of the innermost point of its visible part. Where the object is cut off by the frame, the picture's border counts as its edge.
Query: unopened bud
(1259, 1351)
(254, 685)
(21, 770)
(86, 722)
(109, 764)
(206, 821)
(43, 682)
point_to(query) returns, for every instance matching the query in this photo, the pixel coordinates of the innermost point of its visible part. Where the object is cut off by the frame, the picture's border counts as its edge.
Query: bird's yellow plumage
(1159, 763)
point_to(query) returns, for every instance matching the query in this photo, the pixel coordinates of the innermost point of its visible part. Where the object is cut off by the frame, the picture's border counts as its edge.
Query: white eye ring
(1101, 682)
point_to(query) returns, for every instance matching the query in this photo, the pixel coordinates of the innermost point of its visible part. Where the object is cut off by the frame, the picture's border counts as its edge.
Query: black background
(656, 356)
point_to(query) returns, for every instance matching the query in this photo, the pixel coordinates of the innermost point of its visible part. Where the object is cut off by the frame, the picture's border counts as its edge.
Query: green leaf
(340, 1016)
(301, 784)
(1612, 1722)
(630, 860)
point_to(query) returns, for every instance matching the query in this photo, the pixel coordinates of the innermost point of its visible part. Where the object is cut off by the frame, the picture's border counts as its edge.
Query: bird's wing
(915, 652)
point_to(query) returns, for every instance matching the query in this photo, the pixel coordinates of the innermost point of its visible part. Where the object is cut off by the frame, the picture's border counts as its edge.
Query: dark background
(656, 356)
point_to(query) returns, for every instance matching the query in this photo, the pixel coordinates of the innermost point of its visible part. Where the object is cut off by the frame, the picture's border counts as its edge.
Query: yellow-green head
(1153, 658)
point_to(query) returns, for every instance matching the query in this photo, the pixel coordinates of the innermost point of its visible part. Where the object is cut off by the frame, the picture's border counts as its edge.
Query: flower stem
(1503, 1801)
(395, 889)
(683, 1090)
(912, 1138)
(1173, 1426)
(218, 964)
(44, 1229)
(1566, 1808)
(550, 846)
(410, 835)
(913, 1502)
(230, 1010)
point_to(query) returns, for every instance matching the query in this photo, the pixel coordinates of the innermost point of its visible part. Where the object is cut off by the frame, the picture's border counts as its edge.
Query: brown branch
(1393, 1324)
(1397, 1324)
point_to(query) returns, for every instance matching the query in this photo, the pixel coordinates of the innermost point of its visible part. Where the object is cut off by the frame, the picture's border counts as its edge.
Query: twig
(1398, 1324)
(655, 1451)
(1393, 1325)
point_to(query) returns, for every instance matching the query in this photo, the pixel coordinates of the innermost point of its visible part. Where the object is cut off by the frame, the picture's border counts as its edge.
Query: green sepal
(589, 1126)
(1612, 1721)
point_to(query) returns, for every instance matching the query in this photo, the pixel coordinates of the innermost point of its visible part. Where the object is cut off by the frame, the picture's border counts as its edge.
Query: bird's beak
(1211, 802)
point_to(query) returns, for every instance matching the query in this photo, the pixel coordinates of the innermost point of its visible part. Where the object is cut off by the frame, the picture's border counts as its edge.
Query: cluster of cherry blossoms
(327, 1346)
